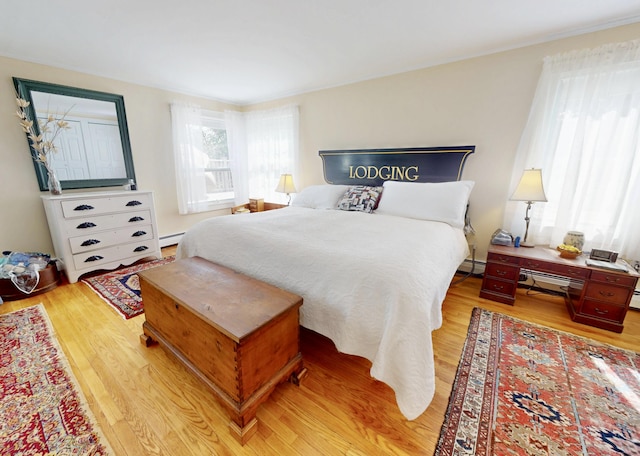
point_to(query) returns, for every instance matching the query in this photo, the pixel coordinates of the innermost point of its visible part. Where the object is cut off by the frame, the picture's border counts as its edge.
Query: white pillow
(323, 196)
(441, 202)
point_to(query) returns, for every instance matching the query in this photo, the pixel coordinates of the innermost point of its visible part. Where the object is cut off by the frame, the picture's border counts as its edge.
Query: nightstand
(595, 296)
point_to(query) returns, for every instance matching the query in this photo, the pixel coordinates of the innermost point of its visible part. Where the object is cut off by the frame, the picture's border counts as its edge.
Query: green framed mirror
(95, 150)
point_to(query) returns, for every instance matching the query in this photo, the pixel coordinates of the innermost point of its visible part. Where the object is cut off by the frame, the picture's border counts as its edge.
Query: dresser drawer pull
(607, 294)
(86, 225)
(141, 248)
(498, 287)
(133, 203)
(601, 312)
(533, 265)
(93, 258)
(83, 207)
(612, 279)
(90, 242)
(504, 259)
(139, 233)
(136, 219)
(500, 272)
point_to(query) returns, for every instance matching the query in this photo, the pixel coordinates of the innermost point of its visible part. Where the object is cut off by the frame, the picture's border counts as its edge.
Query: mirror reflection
(95, 150)
(90, 148)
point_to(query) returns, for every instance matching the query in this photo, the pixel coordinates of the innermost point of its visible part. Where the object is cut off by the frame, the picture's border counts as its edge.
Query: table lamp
(286, 186)
(529, 189)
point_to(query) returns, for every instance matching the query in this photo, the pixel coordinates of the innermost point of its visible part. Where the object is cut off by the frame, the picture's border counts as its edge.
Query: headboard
(374, 166)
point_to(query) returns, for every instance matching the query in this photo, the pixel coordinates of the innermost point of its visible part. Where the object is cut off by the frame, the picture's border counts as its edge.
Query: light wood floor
(147, 403)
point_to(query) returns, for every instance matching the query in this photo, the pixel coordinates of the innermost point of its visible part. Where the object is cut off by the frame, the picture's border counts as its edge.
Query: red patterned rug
(523, 389)
(121, 288)
(42, 410)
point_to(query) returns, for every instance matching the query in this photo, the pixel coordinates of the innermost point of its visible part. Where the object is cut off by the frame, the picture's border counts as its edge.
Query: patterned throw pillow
(361, 198)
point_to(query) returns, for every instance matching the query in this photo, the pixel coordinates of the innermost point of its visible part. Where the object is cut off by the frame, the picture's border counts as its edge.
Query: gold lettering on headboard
(399, 173)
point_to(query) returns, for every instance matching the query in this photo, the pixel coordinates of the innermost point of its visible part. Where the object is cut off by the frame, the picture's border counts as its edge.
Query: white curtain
(262, 146)
(583, 131)
(238, 155)
(189, 157)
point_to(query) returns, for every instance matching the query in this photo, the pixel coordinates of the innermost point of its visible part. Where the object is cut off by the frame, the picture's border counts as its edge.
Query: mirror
(95, 150)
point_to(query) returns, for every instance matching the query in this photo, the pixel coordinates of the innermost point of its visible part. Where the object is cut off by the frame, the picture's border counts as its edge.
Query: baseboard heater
(170, 239)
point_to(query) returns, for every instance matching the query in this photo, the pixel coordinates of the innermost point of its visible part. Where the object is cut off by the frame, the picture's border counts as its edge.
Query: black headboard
(374, 166)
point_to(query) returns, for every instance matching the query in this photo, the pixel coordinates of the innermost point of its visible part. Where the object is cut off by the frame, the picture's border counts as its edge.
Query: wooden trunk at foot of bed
(240, 336)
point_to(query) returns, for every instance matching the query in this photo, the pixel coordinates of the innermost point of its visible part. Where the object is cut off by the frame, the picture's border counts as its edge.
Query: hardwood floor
(148, 404)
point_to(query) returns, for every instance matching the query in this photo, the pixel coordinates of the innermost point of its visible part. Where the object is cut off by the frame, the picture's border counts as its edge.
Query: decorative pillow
(441, 202)
(361, 198)
(324, 196)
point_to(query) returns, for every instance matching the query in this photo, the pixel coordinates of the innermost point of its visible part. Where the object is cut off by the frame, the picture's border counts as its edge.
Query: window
(584, 133)
(201, 156)
(217, 168)
(222, 159)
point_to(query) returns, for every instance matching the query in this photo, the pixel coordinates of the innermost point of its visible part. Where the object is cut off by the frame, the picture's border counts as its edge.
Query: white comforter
(374, 284)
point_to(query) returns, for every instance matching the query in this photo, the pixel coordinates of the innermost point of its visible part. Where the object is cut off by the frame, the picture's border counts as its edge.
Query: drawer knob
(90, 242)
(498, 287)
(93, 258)
(601, 311)
(136, 219)
(139, 233)
(612, 279)
(218, 345)
(83, 207)
(607, 294)
(133, 203)
(86, 225)
(501, 272)
(141, 248)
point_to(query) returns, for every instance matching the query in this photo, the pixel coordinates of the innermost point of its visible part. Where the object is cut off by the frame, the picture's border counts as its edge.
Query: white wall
(482, 101)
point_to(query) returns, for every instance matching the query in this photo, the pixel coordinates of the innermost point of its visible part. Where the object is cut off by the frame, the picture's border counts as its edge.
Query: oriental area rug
(121, 288)
(523, 389)
(42, 409)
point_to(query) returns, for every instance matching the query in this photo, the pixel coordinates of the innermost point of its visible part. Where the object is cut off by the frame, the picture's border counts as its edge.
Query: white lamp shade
(286, 184)
(530, 187)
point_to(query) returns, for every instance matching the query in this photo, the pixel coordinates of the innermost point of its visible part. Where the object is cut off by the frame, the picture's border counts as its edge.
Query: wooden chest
(237, 334)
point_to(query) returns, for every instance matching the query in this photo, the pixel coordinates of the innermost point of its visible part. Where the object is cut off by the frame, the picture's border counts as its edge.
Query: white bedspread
(374, 284)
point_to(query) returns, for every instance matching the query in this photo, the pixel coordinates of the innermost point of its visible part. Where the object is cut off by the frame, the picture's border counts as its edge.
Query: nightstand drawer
(502, 271)
(603, 310)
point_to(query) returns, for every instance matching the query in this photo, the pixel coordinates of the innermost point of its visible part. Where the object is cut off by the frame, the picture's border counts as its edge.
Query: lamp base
(527, 244)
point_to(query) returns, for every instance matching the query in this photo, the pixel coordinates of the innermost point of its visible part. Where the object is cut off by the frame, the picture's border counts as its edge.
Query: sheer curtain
(263, 145)
(583, 131)
(190, 160)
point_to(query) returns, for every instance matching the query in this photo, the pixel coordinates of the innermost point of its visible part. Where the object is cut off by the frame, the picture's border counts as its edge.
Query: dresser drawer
(95, 258)
(91, 224)
(608, 293)
(614, 279)
(88, 207)
(502, 271)
(104, 239)
(603, 310)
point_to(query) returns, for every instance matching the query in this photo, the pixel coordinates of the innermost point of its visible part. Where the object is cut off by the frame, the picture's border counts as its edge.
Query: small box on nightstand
(256, 204)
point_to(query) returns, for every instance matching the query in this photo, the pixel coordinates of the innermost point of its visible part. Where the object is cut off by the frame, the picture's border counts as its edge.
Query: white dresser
(101, 230)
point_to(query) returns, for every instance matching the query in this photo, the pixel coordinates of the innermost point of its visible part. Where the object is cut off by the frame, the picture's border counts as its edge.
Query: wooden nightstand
(596, 297)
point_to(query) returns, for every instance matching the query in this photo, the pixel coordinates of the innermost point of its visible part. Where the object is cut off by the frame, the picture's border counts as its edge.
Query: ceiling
(246, 51)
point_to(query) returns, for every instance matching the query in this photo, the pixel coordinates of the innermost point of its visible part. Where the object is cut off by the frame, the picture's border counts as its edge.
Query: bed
(372, 253)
